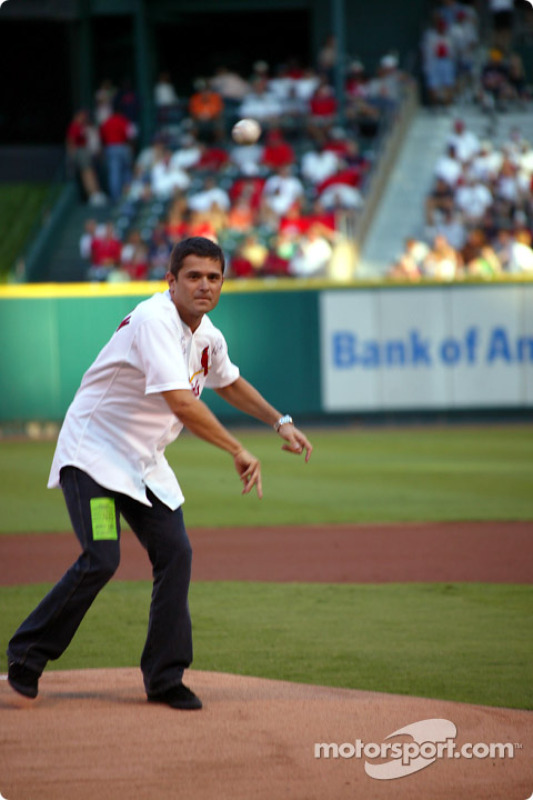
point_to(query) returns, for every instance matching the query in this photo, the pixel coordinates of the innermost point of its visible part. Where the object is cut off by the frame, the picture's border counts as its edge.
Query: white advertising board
(427, 347)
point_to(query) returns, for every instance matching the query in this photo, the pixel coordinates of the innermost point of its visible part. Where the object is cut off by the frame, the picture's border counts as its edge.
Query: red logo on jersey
(125, 321)
(204, 361)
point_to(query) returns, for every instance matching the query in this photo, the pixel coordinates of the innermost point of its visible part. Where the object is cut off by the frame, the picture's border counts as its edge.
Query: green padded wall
(47, 343)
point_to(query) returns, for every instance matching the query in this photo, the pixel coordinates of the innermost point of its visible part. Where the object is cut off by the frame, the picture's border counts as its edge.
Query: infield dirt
(490, 552)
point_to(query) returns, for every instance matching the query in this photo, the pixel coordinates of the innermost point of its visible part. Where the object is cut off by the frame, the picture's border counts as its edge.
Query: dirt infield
(91, 733)
(497, 552)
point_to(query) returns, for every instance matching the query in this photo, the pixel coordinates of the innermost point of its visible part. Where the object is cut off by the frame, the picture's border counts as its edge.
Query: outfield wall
(47, 342)
(310, 347)
(452, 347)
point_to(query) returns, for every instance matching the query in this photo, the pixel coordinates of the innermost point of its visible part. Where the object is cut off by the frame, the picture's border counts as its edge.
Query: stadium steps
(401, 211)
(66, 264)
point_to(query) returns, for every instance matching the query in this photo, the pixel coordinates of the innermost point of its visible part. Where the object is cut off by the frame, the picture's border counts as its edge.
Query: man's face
(196, 289)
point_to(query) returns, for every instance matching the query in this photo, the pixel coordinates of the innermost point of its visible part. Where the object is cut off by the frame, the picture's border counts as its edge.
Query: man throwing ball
(143, 387)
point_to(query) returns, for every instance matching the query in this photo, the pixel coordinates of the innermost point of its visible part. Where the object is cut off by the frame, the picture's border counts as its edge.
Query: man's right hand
(197, 417)
(249, 469)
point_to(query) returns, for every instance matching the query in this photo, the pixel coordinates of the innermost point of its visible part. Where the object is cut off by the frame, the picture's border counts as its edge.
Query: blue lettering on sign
(525, 348)
(370, 354)
(344, 350)
(499, 346)
(350, 350)
(420, 349)
(471, 344)
(395, 353)
(450, 352)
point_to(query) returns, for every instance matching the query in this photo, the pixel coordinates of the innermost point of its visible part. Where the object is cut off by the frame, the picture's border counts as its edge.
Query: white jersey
(118, 424)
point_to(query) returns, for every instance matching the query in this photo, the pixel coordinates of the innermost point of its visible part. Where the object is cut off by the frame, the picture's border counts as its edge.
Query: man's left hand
(297, 441)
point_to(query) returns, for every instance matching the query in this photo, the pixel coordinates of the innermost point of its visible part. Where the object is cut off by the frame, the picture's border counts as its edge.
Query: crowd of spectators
(458, 65)
(101, 145)
(479, 213)
(274, 206)
(502, 83)
(449, 47)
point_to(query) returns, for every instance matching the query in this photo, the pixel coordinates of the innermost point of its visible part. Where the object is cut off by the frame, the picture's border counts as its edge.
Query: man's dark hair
(195, 246)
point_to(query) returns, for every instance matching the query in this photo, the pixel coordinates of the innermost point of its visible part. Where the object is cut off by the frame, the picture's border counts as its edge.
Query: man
(211, 195)
(280, 191)
(80, 132)
(117, 133)
(206, 109)
(143, 387)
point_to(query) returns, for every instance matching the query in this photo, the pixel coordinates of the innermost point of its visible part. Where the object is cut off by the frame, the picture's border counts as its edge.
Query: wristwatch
(282, 421)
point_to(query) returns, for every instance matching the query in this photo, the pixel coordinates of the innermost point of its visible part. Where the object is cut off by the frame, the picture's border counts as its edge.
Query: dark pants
(49, 629)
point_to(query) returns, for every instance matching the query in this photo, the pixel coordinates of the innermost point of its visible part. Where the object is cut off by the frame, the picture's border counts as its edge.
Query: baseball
(246, 131)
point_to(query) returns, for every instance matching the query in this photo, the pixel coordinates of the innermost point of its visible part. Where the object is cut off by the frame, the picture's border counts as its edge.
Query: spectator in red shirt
(338, 142)
(250, 187)
(351, 176)
(322, 217)
(277, 153)
(323, 109)
(117, 133)
(241, 267)
(80, 156)
(212, 159)
(134, 257)
(280, 253)
(323, 102)
(201, 225)
(106, 251)
(294, 222)
(297, 222)
(356, 80)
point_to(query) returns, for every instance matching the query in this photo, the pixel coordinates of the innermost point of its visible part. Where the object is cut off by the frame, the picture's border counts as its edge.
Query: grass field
(365, 475)
(465, 642)
(20, 205)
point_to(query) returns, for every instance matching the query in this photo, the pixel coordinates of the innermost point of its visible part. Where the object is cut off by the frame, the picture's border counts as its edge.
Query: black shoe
(177, 697)
(23, 679)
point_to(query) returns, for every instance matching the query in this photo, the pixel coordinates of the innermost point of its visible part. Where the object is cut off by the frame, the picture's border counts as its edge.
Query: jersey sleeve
(223, 371)
(159, 356)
